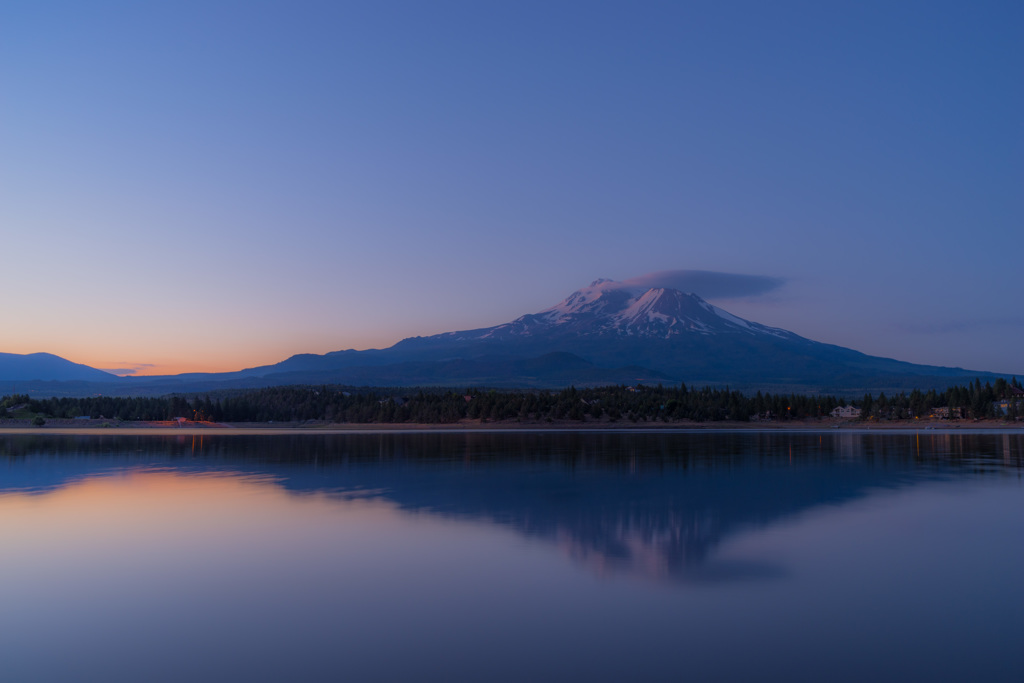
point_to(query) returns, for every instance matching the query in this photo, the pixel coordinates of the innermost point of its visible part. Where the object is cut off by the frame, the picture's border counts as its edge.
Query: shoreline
(105, 428)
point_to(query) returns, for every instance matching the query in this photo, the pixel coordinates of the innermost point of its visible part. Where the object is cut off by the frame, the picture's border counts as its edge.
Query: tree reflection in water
(655, 505)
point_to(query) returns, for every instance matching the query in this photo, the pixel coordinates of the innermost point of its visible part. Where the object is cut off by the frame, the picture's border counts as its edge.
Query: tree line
(339, 404)
(975, 400)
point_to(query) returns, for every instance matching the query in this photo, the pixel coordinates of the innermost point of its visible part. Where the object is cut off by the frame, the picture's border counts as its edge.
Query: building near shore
(845, 412)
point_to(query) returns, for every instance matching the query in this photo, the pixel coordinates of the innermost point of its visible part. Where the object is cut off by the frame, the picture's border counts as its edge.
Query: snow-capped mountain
(607, 307)
(665, 333)
(606, 333)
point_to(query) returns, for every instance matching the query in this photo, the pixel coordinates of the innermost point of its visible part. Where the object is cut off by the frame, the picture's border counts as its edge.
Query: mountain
(678, 335)
(606, 310)
(47, 367)
(606, 333)
(606, 318)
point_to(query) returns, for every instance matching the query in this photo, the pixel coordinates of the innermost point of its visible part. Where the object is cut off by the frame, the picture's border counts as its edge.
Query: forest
(340, 404)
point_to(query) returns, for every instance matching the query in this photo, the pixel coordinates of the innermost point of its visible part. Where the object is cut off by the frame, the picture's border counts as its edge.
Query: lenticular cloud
(705, 283)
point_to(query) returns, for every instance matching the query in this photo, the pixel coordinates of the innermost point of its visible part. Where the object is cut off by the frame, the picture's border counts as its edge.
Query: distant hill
(606, 333)
(47, 367)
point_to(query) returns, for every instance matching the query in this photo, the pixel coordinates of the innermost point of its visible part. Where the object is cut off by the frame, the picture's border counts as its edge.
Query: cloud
(707, 284)
(952, 326)
(124, 372)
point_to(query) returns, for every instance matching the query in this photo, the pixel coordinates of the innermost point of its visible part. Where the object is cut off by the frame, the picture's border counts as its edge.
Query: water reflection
(798, 557)
(652, 505)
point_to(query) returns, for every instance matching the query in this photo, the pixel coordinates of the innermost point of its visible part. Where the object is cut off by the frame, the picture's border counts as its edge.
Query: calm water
(513, 557)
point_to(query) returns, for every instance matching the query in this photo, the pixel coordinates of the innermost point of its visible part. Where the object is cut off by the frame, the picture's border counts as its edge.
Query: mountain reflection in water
(655, 505)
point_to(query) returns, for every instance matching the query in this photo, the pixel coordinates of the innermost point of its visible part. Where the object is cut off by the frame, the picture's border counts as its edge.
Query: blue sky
(215, 185)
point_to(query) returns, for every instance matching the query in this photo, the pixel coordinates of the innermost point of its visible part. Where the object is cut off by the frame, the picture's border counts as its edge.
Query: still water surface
(513, 557)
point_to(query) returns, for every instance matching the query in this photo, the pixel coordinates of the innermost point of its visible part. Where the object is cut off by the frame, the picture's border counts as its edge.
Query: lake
(523, 556)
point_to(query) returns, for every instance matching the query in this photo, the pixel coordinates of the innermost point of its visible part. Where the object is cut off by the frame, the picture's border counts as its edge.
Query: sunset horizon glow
(201, 187)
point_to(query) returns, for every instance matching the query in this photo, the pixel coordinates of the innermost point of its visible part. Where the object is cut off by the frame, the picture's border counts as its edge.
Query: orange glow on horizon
(162, 361)
(203, 347)
(157, 361)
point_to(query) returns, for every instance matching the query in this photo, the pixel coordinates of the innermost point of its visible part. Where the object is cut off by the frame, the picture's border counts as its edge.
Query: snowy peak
(596, 299)
(660, 311)
(607, 307)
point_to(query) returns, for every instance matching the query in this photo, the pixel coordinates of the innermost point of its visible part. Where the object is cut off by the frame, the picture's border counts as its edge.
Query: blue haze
(360, 172)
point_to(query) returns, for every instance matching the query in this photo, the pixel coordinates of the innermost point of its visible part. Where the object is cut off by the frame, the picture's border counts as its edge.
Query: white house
(845, 411)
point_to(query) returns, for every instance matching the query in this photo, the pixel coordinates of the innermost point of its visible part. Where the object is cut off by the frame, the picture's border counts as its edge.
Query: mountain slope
(48, 368)
(674, 333)
(604, 309)
(606, 333)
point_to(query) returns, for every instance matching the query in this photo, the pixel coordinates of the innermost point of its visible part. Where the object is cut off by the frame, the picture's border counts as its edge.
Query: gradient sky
(192, 186)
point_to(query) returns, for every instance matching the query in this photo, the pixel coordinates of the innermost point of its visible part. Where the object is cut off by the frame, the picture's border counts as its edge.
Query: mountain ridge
(48, 367)
(602, 308)
(606, 333)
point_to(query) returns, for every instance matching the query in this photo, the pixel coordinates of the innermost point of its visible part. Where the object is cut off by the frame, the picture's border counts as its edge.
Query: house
(1004, 406)
(845, 412)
